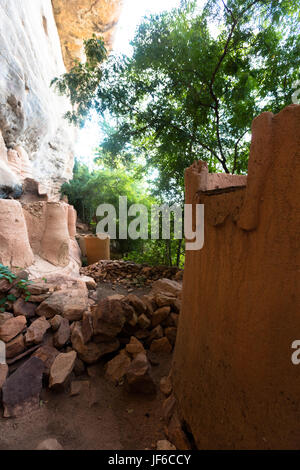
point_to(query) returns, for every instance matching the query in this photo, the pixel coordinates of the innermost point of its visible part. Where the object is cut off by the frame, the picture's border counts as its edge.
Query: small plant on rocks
(21, 284)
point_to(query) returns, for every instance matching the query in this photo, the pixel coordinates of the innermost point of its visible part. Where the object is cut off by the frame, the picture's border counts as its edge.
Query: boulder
(35, 333)
(136, 303)
(22, 308)
(138, 377)
(91, 352)
(15, 347)
(161, 346)
(40, 287)
(163, 300)
(109, 317)
(47, 354)
(117, 368)
(116, 297)
(12, 327)
(144, 322)
(4, 317)
(21, 391)
(55, 322)
(62, 335)
(134, 320)
(61, 370)
(134, 347)
(168, 287)
(160, 315)
(70, 303)
(156, 333)
(150, 303)
(49, 444)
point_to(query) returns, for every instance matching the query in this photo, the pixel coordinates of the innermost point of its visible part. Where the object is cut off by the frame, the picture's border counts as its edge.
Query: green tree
(80, 84)
(89, 189)
(190, 91)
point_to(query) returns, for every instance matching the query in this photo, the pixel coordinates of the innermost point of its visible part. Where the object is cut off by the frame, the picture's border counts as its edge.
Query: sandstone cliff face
(79, 19)
(36, 142)
(31, 113)
(233, 377)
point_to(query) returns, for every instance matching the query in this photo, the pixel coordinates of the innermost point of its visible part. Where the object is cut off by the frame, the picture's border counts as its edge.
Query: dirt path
(109, 419)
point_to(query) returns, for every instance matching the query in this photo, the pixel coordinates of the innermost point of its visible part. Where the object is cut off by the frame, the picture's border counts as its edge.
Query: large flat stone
(21, 391)
(11, 328)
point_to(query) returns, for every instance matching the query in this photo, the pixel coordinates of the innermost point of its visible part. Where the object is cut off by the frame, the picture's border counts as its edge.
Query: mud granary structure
(234, 382)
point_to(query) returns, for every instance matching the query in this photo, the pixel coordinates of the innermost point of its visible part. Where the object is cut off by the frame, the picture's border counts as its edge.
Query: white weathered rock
(49, 444)
(30, 112)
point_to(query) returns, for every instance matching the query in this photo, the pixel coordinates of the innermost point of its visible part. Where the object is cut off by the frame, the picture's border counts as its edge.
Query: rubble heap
(127, 273)
(63, 329)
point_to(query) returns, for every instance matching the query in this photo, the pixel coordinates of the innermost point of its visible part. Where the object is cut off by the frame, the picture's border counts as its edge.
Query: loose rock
(49, 444)
(27, 309)
(144, 322)
(47, 354)
(69, 303)
(167, 286)
(4, 317)
(61, 370)
(11, 328)
(91, 352)
(15, 347)
(134, 347)
(62, 336)
(160, 315)
(36, 331)
(109, 317)
(21, 391)
(138, 377)
(117, 368)
(161, 346)
(55, 322)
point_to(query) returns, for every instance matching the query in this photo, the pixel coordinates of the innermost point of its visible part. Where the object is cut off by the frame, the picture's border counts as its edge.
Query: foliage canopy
(194, 83)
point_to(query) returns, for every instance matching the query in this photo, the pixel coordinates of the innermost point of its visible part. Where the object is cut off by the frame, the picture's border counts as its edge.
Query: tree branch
(219, 63)
(236, 149)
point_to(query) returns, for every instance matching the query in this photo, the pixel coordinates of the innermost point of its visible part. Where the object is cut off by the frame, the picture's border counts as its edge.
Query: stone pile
(62, 330)
(127, 273)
